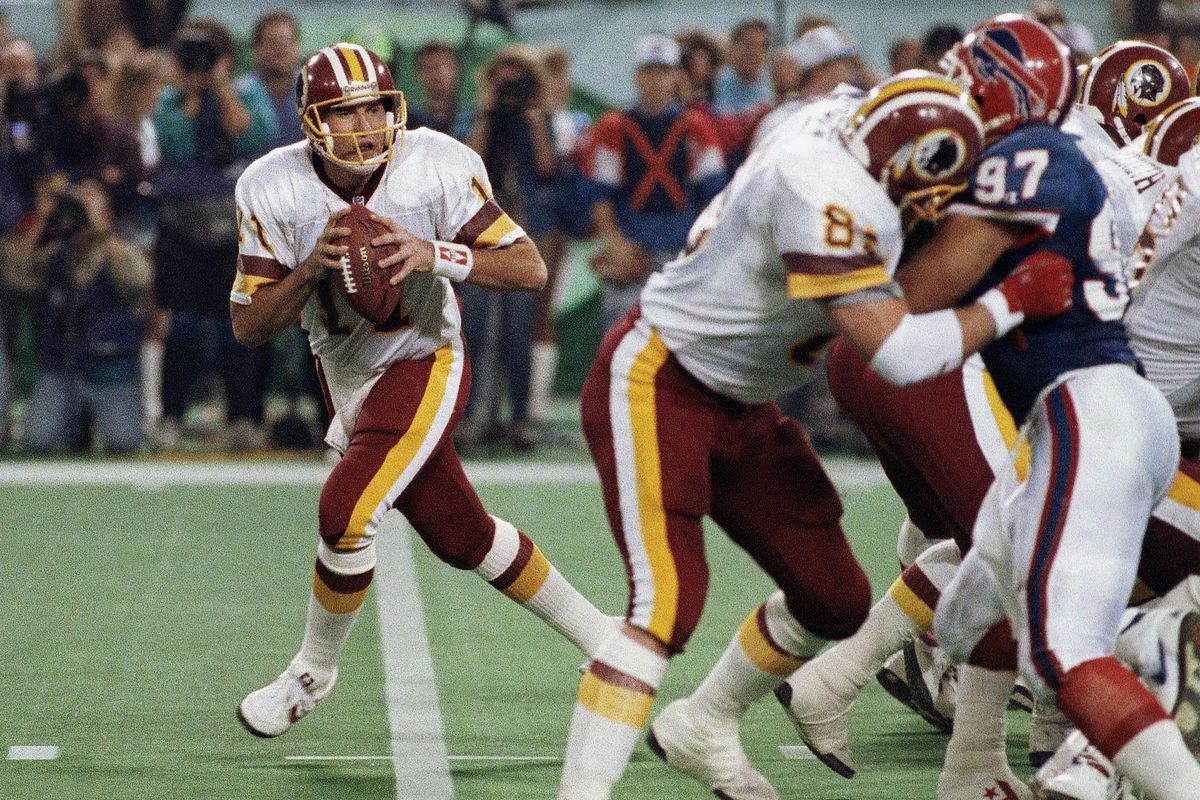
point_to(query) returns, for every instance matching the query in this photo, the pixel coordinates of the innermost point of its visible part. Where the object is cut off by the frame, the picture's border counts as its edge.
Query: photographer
(511, 131)
(91, 317)
(207, 130)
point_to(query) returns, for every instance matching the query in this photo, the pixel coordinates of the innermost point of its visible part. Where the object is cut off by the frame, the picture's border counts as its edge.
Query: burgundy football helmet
(1129, 83)
(917, 133)
(348, 74)
(1173, 132)
(1017, 70)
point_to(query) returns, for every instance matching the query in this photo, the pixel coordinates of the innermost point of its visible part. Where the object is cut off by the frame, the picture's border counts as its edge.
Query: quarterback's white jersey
(801, 224)
(1164, 317)
(434, 187)
(1134, 182)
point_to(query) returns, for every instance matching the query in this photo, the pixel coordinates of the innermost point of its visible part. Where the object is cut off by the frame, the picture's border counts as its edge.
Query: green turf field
(134, 619)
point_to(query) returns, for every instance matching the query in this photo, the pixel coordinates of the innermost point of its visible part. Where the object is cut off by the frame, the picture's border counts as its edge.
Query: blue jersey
(1039, 176)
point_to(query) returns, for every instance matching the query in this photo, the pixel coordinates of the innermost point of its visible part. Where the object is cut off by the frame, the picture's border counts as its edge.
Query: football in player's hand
(362, 281)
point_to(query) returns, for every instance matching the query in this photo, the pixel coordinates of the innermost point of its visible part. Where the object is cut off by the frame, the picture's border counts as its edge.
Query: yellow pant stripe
(910, 604)
(614, 702)
(402, 453)
(335, 602)
(762, 653)
(1008, 429)
(531, 578)
(1185, 491)
(652, 516)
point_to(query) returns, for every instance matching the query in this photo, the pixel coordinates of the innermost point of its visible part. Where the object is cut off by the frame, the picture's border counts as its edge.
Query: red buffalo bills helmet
(1129, 83)
(1017, 70)
(341, 75)
(917, 133)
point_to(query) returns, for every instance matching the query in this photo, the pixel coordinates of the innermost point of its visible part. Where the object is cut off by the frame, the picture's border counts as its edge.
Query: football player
(678, 415)
(395, 389)
(940, 443)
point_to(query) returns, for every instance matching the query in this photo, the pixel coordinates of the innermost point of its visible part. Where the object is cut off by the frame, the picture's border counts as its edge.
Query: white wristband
(997, 305)
(453, 261)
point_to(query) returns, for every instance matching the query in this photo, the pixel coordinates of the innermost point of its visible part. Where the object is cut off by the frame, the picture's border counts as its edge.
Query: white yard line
(419, 756)
(846, 472)
(33, 752)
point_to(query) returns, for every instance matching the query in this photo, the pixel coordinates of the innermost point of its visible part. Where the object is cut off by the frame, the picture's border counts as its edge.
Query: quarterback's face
(366, 121)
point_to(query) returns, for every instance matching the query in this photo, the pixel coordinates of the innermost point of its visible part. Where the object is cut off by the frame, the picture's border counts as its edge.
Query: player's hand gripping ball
(362, 281)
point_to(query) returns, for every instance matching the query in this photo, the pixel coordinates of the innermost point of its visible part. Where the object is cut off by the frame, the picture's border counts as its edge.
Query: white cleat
(1048, 729)
(714, 756)
(988, 782)
(821, 718)
(1185, 709)
(923, 678)
(271, 710)
(1078, 771)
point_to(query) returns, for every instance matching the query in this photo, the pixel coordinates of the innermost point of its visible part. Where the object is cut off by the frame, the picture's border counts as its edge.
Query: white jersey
(801, 224)
(434, 186)
(823, 116)
(1092, 139)
(1134, 182)
(1164, 317)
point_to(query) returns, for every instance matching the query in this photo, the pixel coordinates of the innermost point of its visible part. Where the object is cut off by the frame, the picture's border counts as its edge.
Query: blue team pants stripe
(1064, 455)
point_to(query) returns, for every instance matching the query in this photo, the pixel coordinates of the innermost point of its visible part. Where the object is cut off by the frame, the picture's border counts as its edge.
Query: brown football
(362, 281)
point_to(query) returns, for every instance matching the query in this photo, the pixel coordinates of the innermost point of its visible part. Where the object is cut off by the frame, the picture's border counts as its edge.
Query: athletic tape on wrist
(997, 305)
(453, 261)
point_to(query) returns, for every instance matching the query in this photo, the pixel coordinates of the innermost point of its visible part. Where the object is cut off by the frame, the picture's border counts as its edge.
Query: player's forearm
(518, 266)
(273, 308)
(944, 270)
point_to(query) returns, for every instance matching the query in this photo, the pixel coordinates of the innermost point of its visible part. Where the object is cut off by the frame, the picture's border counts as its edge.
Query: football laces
(348, 276)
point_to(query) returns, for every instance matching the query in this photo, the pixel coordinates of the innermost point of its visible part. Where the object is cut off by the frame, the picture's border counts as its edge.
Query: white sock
(847, 666)
(768, 646)
(980, 717)
(1158, 761)
(614, 700)
(325, 635)
(331, 614)
(516, 567)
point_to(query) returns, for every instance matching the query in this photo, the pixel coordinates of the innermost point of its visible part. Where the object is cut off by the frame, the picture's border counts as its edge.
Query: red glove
(1040, 286)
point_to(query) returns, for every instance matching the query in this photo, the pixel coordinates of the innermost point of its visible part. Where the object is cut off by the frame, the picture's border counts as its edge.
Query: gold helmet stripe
(886, 93)
(353, 60)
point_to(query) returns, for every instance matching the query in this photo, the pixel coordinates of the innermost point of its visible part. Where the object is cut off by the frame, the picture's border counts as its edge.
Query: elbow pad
(922, 346)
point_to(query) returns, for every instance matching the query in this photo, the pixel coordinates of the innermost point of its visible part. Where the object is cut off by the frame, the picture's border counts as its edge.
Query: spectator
(511, 130)
(809, 67)
(743, 83)
(701, 55)
(936, 41)
(1075, 35)
(91, 321)
(207, 130)
(570, 219)
(905, 53)
(807, 22)
(654, 168)
(438, 70)
(23, 114)
(276, 42)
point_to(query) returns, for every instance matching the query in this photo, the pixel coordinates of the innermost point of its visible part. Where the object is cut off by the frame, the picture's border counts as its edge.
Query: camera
(68, 217)
(514, 93)
(196, 51)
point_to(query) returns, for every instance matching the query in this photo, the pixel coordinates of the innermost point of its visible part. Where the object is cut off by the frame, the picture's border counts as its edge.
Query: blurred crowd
(119, 153)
